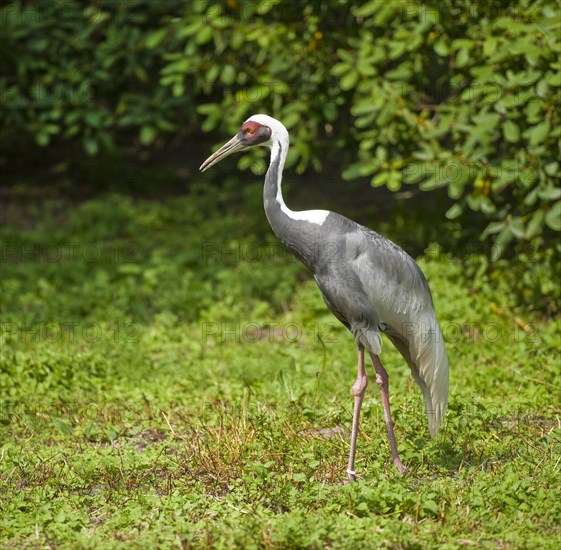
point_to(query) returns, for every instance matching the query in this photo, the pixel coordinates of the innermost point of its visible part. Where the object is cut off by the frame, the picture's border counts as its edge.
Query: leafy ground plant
(172, 379)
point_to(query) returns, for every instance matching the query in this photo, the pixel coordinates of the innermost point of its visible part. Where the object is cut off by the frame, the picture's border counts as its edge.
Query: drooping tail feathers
(422, 346)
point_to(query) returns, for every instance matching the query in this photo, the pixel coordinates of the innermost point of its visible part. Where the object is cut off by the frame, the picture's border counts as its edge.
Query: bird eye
(250, 130)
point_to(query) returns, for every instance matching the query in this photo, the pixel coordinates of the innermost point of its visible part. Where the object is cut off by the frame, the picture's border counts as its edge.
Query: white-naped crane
(370, 284)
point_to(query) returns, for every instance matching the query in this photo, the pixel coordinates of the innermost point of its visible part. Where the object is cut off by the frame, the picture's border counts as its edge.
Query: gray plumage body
(372, 286)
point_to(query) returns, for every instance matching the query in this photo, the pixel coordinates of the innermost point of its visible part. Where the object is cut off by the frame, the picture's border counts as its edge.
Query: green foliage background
(436, 94)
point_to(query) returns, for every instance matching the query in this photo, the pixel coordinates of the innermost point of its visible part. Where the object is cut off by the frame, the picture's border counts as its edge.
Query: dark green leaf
(553, 217)
(511, 131)
(147, 135)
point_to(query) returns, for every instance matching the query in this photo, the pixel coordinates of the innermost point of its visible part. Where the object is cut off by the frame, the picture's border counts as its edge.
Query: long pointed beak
(227, 149)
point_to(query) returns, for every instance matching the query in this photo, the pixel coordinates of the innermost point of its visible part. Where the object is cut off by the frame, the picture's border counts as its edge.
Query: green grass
(170, 378)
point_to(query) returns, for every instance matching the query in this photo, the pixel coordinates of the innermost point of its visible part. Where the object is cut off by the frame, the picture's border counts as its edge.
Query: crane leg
(382, 381)
(358, 389)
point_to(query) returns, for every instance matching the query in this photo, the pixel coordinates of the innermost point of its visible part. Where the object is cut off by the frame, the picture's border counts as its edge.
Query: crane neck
(278, 214)
(298, 231)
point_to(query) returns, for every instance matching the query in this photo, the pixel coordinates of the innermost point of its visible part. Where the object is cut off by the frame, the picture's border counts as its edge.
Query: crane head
(256, 130)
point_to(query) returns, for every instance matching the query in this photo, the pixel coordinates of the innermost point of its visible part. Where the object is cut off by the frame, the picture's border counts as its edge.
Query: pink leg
(358, 389)
(382, 381)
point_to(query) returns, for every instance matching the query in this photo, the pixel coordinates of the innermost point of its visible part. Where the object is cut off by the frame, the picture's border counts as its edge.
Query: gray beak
(227, 149)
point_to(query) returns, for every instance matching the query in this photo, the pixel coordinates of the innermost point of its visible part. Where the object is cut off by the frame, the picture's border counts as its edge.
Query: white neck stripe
(311, 216)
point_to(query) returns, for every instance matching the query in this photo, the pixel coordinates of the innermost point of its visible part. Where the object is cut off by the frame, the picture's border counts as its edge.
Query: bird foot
(351, 476)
